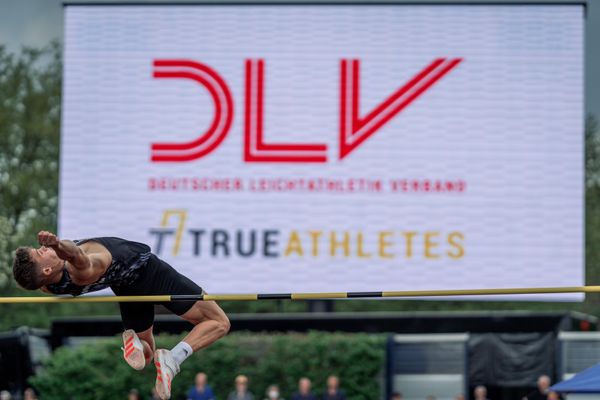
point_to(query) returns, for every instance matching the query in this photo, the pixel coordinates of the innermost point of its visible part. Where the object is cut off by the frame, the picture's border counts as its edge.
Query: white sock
(181, 352)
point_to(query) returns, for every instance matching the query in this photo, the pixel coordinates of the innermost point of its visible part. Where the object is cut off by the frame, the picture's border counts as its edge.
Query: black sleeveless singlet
(127, 260)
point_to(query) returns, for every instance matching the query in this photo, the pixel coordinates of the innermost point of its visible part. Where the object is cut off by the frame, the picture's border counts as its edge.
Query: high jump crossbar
(302, 296)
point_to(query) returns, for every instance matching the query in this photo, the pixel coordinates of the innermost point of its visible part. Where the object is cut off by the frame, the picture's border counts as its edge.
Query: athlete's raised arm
(69, 251)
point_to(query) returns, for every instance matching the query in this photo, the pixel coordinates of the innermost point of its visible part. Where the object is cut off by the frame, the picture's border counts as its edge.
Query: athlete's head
(34, 268)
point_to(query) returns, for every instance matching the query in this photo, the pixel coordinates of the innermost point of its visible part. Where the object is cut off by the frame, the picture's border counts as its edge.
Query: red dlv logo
(354, 130)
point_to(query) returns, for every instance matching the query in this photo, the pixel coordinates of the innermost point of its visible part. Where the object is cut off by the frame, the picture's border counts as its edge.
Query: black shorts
(156, 278)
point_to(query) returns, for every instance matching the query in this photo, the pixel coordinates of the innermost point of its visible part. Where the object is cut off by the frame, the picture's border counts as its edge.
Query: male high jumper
(129, 269)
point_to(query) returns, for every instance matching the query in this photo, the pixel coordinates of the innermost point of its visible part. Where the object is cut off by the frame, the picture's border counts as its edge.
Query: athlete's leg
(211, 323)
(138, 342)
(147, 339)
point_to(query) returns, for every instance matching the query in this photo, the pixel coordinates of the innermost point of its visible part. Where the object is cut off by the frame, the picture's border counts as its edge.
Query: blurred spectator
(480, 393)
(459, 397)
(333, 391)
(201, 389)
(5, 395)
(134, 395)
(29, 394)
(304, 392)
(554, 396)
(241, 389)
(541, 393)
(396, 396)
(273, 393)
(154, 394)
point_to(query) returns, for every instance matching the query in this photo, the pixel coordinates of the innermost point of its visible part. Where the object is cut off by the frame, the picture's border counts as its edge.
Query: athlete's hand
(46, 238)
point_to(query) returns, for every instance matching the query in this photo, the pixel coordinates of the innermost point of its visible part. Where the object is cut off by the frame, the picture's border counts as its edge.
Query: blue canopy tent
(587, 381)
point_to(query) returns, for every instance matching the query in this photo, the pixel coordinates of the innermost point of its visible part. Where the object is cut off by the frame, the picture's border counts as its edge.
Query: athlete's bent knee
(224, 325)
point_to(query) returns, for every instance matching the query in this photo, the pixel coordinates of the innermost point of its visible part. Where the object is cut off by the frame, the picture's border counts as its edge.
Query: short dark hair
(25, 270)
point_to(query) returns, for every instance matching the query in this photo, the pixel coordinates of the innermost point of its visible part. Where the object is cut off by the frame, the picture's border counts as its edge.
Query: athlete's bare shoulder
(93, 247)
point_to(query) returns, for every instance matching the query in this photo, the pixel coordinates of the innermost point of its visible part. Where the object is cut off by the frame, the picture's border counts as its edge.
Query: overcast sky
(36, 22)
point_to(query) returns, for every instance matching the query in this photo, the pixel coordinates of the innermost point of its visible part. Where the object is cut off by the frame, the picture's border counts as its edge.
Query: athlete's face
(46, 258)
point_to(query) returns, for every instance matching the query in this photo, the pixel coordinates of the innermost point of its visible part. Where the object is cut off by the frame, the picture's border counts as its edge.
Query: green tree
(29, 146)
(30, 100)
(592, 212)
